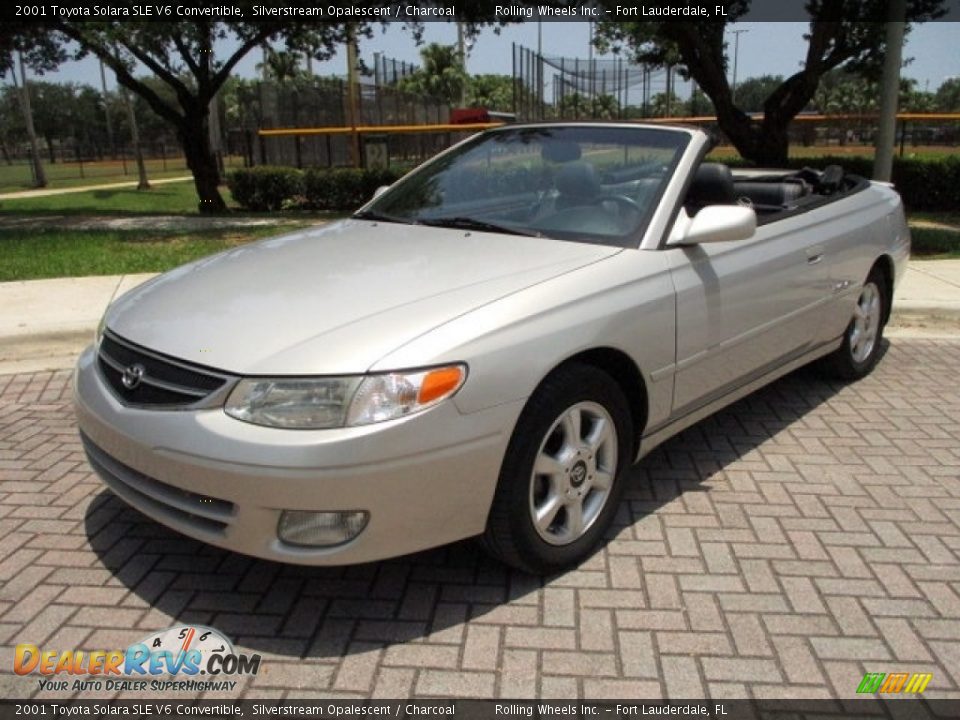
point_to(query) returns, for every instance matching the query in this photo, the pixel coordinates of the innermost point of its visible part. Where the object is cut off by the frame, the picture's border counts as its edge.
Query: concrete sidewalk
(45, 323)
(46, 192)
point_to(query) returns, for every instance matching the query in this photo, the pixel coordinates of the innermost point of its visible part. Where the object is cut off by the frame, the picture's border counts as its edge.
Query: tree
(833, 40)
(280, 65)
(842, 92)
(948, 95)
(699, 103)
(39, 177)
(664, 105)
(11, 123)
(845, 93)
(441, 76)
(604, 107)
(53, 105)
(913, 99)
(493, 92)
(752, 92)
(181, 56)
(573, 106)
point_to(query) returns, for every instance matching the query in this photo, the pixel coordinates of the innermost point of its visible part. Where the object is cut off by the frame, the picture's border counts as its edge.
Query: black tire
(844, 363)
(511, 534)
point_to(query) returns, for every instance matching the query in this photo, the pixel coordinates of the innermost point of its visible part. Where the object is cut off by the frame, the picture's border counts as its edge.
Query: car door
(744, 307)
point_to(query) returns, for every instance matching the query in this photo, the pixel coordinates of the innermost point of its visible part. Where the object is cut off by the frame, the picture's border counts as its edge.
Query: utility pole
(736, 55)
(353, 111)
(39, 177)
(590, 66)
(889, 90)
(669, 107)
(540, 94)
(462, 59)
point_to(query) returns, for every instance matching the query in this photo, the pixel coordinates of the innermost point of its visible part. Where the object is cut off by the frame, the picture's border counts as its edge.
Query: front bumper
(426, 480)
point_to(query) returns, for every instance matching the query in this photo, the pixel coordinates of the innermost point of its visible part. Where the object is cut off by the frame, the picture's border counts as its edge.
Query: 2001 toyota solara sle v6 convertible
(484, 349)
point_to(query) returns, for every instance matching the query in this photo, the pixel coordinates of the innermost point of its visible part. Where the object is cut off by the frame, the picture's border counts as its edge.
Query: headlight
(315, 403)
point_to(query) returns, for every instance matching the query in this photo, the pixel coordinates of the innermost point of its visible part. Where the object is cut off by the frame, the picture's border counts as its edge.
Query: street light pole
(736, 55)
(462, 58)
(889, 90)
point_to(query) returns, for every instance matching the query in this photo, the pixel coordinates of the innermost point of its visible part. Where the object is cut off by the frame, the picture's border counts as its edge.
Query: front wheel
(562, 476)
(860, 350)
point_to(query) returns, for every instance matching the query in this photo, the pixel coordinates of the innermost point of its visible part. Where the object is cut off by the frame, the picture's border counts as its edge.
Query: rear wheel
(860, 350)
(561, 479)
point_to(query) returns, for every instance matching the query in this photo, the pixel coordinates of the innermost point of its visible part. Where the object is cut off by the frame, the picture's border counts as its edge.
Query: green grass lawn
(944, 218)
(19, 181)
(934, 243)
(31, 254)
(18, 177)
(170, 199)
(931, 152)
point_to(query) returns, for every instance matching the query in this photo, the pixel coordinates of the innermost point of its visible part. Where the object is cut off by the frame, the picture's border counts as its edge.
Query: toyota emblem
(133, 376)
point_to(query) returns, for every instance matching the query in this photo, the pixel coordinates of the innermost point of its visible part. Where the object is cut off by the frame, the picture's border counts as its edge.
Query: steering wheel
(623, 201)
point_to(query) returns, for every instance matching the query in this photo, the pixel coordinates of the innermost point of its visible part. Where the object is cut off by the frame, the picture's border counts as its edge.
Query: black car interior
(772, 195)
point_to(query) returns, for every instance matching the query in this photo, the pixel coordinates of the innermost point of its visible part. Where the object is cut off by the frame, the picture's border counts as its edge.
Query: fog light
(320, 529)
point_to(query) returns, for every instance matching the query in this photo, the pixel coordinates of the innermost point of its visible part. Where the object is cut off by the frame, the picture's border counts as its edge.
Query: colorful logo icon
(895, 683)
(189, 650)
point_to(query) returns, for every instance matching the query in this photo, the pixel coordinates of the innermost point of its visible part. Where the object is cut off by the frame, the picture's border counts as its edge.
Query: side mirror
(718, 223)
(380, 191)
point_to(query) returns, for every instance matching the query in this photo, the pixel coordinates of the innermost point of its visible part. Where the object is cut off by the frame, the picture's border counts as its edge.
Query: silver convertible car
(485, 348)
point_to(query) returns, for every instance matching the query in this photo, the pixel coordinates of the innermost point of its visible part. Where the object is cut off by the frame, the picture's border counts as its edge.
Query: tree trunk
(195, 138)
(39, 177)
(765, 143)
(142, 182)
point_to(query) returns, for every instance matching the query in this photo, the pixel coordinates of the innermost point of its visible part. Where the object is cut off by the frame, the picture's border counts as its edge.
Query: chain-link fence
(326, 103)
(572, 88)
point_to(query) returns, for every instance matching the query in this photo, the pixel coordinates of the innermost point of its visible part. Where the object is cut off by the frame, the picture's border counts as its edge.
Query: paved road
(782, 548)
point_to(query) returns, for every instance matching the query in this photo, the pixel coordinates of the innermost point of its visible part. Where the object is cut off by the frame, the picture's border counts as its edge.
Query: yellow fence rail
(370, 129)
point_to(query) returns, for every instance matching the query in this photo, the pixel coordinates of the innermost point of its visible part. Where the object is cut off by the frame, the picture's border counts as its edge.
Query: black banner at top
(452, 10)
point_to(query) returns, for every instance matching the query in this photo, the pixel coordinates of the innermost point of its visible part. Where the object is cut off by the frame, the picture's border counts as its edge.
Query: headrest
(578, 180)
(712, 185)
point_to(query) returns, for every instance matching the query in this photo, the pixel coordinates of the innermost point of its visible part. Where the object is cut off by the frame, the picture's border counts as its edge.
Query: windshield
(585, 183)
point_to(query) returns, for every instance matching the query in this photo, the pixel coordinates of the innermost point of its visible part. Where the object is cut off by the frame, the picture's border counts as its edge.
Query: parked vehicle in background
(485, 348)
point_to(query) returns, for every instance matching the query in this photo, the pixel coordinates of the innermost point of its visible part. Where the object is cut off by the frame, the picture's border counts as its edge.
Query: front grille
(161, 381)
(201, 512)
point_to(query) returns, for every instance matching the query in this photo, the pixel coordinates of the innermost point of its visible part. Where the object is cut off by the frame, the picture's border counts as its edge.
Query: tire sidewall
(547, 405)
(860, 369)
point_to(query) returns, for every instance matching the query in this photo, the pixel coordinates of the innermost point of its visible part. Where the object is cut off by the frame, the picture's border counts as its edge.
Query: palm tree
(441, 77)
(39, 177)
(280, 65)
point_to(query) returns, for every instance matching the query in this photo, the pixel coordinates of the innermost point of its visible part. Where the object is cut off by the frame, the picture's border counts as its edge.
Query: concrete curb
(45, 324)
(58, 350)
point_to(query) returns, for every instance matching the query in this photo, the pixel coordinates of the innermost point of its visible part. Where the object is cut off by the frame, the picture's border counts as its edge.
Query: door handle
(814, 254)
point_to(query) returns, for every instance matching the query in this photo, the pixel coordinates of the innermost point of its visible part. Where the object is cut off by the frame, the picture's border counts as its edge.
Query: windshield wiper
(373, 215)
(469, 223)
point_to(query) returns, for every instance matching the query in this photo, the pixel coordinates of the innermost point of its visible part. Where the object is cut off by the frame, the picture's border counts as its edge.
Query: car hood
(333, 300)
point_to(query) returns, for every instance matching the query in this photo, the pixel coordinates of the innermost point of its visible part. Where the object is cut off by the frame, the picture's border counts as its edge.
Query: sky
(766, 48)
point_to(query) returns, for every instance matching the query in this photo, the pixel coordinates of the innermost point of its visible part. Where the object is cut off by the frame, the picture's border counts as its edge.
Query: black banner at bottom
(901, 708)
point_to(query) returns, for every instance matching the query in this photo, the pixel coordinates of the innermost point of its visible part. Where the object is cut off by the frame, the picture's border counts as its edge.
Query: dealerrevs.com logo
(169, 660)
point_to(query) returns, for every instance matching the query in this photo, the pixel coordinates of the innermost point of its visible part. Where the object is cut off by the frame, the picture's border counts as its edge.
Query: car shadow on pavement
(328, 612)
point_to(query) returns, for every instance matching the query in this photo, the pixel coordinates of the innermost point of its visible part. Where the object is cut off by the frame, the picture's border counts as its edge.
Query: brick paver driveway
(784, 547)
